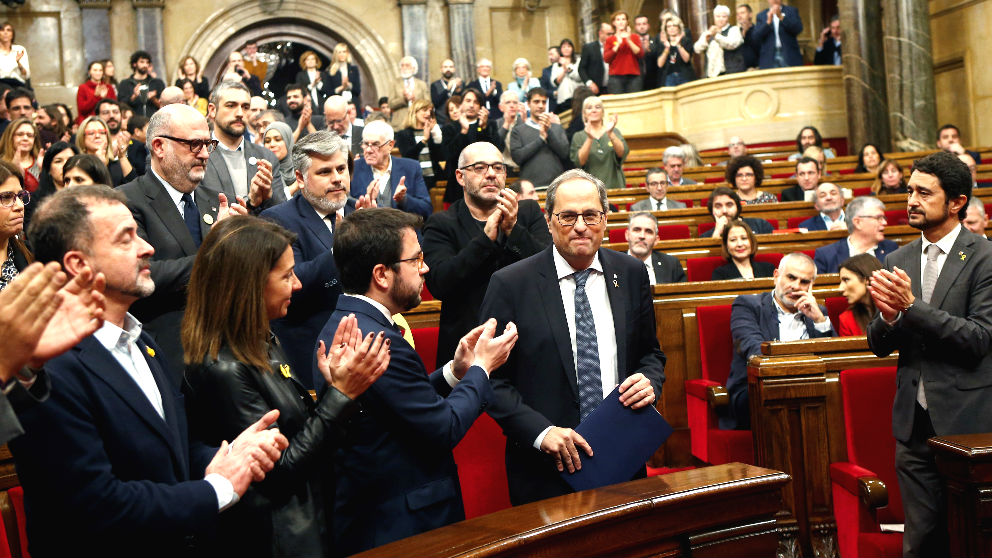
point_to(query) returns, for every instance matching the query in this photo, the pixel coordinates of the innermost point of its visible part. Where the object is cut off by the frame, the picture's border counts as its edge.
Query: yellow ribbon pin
(284, 369)
(150, 351)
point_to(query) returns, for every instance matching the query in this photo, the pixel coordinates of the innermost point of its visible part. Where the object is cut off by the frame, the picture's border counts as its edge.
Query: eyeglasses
(879, 218)
(589, 217)
(419, 258)
(656, 184)
(374, 144)
(335, 122)
(7, 198)
(483, 168)
(196, 145)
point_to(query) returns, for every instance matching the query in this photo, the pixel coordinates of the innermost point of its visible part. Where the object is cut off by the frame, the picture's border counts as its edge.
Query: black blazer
(591, 65)
(225, 396)
(825, 56)
(440, 95)
(323, 90)
(667, 269)
(729, 271)
(537, 387)
(462, 259)
(410, 149)
(334, 81)
(161, 224)
(101, 466)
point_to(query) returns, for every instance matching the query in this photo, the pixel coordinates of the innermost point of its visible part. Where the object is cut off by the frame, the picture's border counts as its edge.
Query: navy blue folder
(622, 441)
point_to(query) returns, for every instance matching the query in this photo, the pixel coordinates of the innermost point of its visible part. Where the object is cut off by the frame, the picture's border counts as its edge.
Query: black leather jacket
(284, 514)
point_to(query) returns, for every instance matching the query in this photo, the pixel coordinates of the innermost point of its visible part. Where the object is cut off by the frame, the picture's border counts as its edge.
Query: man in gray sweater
(540, 145)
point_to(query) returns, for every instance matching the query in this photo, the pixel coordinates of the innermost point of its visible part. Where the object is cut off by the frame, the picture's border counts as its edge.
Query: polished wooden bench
(727, 510)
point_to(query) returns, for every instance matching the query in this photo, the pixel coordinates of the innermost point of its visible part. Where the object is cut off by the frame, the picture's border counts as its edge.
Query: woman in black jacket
(739, 246)
(421, 140)
(235, 372)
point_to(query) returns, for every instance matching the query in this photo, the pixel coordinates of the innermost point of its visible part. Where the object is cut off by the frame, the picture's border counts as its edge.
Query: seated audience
(83, 169)
(190, 69)
(788, 313)
(807, 179)
(810, 136)
(745, 174)
(641, 234)
(865, 222)
(390, 181)
(724, 206)
(855, 276)
(21, 146)
(674, 160)
(949, 139)
(976, 220)
(14, 254)
(692, 158)
(600, 149)
(738, 245)
(656, 183)
(421, 140)
(93, 139)
(721, 42)
(236, 371)
(735, 148)
(829, 202)
(92, 90)
(675, 58)
(869, 159)
(623, 51)
(523, 80)
(278, 138)
(890, 179)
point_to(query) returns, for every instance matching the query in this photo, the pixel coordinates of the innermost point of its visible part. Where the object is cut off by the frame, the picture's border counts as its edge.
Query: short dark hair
(861, 157)
(737, 163)
(948, 127)
(655, 170)
(91, 165)
(723, 191)
(138, 55)
(805, 159)
(953, 175)
(20, 93)
(62, 222)
(818, 139)
(366, 239)
(479, 97)
(294, 87)
(537, 91)
(136, 122)
(382, 100)
(101, 102)
(747, 6)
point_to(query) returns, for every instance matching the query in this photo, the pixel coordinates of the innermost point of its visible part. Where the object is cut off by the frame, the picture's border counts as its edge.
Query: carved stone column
(414, 16)
(909, 69)
(96, 29)
(148, 23)
(864, 75)
(461, 28)
(698, 20)
(588, 28)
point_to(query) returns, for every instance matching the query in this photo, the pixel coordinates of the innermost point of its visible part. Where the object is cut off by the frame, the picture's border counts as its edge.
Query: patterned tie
(588, 374)
(930, 272)
(191, 215)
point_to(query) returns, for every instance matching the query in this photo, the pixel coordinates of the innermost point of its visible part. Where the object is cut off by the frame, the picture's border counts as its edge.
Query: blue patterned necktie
(191, 215)
(588, 374)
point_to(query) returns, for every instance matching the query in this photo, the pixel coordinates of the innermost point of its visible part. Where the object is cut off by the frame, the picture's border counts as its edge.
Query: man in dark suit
(750, 47)
(397, 476)
(829, 204)
(573, 298)
(238, 168)
(656, 183)
(491, 89)
(445, 88)
(866, 227)
(174, 213)
(641, 234)
(337, 120)
(724, 205)
(807, 179)
(592, 69)
(391, 181)
(788, 313)
(828, 46)
(649, 42)
(934, 299)
(485, 231)
(547, 83)
(775, 31)
(106, 463)
(322, 164)
(949, 139)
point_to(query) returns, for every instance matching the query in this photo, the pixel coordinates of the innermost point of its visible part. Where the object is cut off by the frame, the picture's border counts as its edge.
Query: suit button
(484, 405)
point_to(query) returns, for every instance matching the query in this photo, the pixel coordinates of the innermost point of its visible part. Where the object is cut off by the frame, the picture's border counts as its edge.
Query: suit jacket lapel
(313, 221)
(252, 168)
(770, 312)
(167, 391)
(207, 203)
(166, 209)
(616, 285)
(217, 167)
(953, 264)
(554, 310)
(911, 263)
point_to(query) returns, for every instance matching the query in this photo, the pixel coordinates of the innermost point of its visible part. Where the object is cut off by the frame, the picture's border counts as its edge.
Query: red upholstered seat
(835, 307)
(793, 222)
(865, 191)
(425, 339)
(17, 502)
(867, 395)
(665, 232)
(704, 228)
(701, 269)
(707, 441)
(896, 217)
(5, 550)
(425, 295)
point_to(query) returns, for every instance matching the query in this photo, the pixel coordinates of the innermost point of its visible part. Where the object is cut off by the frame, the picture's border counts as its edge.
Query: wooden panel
(965, 463)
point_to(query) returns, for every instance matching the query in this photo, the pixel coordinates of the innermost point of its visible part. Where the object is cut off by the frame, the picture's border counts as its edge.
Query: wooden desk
(727, 510)
(965, 462)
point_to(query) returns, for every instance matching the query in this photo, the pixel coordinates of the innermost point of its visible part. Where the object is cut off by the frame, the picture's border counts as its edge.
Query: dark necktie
(191, 215)
(588, 373)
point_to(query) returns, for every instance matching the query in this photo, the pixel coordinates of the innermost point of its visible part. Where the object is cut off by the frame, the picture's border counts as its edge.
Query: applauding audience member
(600, 149)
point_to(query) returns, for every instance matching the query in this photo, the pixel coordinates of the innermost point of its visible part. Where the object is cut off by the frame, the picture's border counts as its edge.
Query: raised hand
(400, 194)
(260, 188)
(353, 363)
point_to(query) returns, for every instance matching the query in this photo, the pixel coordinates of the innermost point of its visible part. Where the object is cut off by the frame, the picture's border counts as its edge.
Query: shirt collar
(945, 243)
(827, 219)
(378, 306)
(781, 311)
(563, 269)
(111, 336)
(176, 195)
(221, 145)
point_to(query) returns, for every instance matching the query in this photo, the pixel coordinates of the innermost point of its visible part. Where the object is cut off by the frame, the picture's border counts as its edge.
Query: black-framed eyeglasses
(483, 168)
(419, 259)
(373, 144)
(879, 218)
(195, 145)
(7, 198)
(589, 217)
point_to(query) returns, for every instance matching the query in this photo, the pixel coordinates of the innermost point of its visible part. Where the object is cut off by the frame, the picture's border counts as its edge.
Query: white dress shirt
(647, 263)
(792, 325)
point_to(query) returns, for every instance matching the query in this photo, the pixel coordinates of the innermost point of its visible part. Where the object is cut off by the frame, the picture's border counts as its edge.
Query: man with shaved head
(336, 119)
(488, 229)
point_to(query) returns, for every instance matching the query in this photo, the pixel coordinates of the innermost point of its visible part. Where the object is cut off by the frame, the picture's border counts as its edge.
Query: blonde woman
(344, 77)
(599, 149)
(675, 60)
(522, 79)
(94, 139)
(21, 145)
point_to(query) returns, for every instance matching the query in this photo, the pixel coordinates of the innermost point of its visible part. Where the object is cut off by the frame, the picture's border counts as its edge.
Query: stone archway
(324, 24)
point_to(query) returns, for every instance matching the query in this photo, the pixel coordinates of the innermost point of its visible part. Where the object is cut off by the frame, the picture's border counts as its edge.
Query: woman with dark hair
(744, 174)
(565, 76)
(14, 68)
(236, 372)
(91, 91)
(869, 158)
(453, 108)
(738, 245)
(317, 81)
(191, 97)
(21, 144)
(189, 69)
(67, 118)
(14, 255)
(809, 136)
(855, 277)
(421, 140)
(85, 169)
(579, 97)
(890, 179)
(50, 180)
(108, 72)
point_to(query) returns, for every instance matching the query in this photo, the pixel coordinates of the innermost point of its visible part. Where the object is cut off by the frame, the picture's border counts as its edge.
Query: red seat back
(868, 394)
(716, 345)
(835, 307)
(425, 295)
(768, 257)
(665, 232)
(482, 468)
(701, 269)
(425, 339)
(17, 502)
(793, 222)
(896, 217)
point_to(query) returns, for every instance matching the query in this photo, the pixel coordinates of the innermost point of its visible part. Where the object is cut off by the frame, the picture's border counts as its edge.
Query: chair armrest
(699, 388)
(717, 396)
(862, 482)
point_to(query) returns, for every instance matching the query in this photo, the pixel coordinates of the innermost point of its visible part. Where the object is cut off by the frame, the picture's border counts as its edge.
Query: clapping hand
(353, 364)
